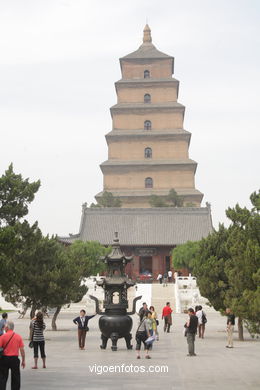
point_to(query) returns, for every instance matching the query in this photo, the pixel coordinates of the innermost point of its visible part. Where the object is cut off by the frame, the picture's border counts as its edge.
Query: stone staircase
(161, 295)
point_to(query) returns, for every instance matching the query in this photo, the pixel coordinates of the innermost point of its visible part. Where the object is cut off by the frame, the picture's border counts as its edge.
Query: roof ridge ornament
(147, 38)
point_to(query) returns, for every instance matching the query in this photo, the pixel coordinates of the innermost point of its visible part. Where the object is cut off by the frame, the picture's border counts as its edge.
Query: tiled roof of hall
(147, 50)
(147, 227)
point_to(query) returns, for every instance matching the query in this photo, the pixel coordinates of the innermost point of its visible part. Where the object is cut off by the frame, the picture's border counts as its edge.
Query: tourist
(2, 323)
(202, 320)
(155, 322)
(165, 279)
(142, 310)
(142, 334)
(37, 327)
(160, 278)
(82, 322)
(191, 330)
(230, 327)
(12, 344)
(170, 276)
(167, 316)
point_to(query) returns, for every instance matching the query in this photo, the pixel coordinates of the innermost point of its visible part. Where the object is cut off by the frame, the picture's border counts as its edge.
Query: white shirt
(159, 276)
(170, 274)
(199, 315)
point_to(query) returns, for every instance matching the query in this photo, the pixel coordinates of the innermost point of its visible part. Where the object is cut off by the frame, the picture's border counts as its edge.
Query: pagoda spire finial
(147, 38)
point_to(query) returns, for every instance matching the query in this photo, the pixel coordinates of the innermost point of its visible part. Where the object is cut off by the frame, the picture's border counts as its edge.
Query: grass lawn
(6, 311)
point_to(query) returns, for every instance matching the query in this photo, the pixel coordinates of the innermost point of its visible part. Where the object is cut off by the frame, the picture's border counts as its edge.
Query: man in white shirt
(160, 277)
(169, 276)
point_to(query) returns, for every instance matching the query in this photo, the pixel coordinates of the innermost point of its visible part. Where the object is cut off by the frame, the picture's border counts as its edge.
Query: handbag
(150, 339)
(31, 341)
(3, 348)
(157, 322)
(204, 318)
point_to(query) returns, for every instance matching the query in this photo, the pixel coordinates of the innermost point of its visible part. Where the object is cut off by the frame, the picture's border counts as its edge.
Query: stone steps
(161, 295)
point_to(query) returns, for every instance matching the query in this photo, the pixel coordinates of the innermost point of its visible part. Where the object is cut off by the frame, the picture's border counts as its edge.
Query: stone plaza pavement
(214, 367)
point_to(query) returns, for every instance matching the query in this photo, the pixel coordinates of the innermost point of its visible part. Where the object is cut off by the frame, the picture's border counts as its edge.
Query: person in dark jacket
(82, 322)
(191, 330)
(143, 310)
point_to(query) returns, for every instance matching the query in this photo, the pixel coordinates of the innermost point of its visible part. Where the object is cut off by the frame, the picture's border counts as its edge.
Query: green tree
(174, 199)
(183, 256)
(255, 200)
(78, 261)
(41, 272)
(209, 267)
(190, 204)
(243, 264)
(15, 195)
(227, 266)
(157, 201)
(107, 200)
(171, 200)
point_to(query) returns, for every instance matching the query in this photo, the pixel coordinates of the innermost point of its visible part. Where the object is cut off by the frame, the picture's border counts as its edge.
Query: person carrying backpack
(202, 320)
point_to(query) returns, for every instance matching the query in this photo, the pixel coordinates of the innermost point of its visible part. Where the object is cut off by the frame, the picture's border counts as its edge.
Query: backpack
(204, 318)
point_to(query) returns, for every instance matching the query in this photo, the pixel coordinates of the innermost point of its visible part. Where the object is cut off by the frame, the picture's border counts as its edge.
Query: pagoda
(148, 148)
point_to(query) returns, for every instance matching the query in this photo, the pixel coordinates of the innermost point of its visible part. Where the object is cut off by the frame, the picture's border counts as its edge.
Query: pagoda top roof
(147, 50)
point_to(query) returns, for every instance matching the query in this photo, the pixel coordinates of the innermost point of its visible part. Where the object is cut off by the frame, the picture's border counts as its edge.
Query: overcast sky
(58, 65)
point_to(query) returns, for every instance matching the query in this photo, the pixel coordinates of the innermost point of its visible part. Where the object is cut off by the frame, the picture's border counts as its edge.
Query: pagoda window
(148, 153)
(147, 98)
(146, 74)
(147, 125)
(148, 182)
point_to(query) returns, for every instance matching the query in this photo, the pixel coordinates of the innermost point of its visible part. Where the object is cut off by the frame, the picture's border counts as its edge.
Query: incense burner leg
(114, 337)
(104, 341)
(128, 339)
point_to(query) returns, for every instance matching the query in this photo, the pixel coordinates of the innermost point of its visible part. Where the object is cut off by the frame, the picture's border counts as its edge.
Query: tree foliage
(183, 256)
(174, 199)
(39, 271)
(209, 267)
(227, 265)
(171, 200)
(107, 200)
(157, 201)
(15, 195)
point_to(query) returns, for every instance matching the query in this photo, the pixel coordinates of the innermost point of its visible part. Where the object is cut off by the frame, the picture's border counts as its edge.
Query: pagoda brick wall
(147, 72)
(157, 69)
(162, 150)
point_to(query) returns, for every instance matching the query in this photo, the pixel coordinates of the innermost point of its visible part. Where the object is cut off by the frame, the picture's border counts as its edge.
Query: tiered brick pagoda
(148, 153)
(148, 149)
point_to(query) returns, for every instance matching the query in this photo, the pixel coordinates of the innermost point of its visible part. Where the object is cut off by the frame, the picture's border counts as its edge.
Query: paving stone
(215, 367)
